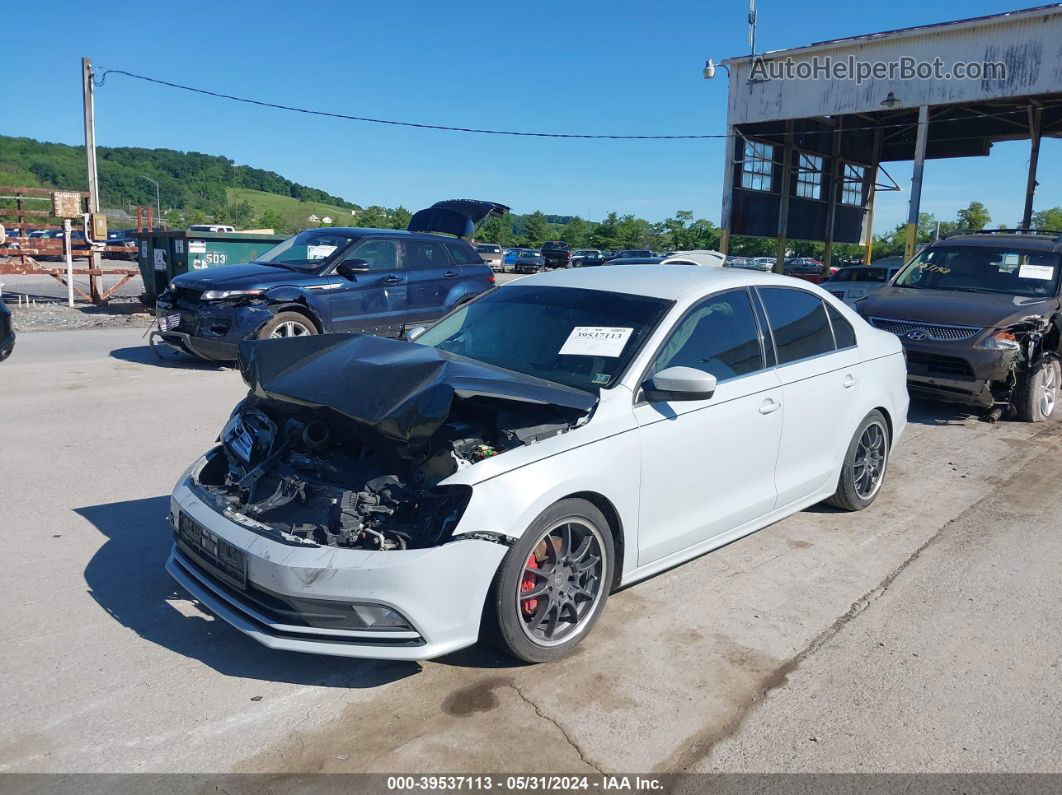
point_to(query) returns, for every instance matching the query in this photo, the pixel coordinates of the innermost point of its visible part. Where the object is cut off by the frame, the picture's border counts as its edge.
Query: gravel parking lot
(922, 634)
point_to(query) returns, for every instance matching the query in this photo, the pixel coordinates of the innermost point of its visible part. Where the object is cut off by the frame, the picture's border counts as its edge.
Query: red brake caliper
(528, 583)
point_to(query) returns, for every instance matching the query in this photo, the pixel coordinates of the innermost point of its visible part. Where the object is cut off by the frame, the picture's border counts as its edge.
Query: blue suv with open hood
(332, 279)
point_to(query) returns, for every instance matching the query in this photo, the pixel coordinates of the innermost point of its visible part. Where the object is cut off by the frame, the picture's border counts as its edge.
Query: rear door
(820, 378)
(372, 302)
(431, 275)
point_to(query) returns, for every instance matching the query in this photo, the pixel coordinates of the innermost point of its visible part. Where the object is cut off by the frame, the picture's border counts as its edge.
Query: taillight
(490, 279)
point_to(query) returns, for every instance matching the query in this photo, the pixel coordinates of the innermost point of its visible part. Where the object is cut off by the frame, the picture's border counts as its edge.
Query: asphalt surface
(920, 635)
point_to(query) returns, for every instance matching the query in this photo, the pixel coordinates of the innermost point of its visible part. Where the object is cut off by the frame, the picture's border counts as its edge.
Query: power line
(418, 125)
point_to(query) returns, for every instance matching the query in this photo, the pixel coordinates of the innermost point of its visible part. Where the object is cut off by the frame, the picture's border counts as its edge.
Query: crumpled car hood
(397, 389)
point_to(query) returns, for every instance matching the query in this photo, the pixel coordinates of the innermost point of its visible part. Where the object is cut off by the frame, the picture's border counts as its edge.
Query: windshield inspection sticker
(596, 341)
(1042, 272)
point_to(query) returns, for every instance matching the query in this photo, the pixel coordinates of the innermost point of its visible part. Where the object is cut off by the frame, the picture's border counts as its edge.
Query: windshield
(579, 338)
(307, 250)
(484, 248)
(980, 269)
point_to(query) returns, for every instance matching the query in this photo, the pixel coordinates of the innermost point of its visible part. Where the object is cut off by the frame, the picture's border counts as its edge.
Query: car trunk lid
(458, 217)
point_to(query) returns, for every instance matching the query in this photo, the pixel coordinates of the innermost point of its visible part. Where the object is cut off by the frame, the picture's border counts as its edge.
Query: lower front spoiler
(969, 393)
(204, 349)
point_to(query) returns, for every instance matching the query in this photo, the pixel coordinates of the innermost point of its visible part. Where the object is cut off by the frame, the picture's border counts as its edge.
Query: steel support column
(916, 182)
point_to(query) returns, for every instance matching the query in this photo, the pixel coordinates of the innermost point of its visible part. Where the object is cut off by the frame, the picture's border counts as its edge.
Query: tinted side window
(423, 254)
(719, 336)
(380, 254)
(843, 332)
(799, 323)
(464, 254)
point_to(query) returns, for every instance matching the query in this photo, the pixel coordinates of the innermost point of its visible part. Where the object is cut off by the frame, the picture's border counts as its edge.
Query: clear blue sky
(597, 66)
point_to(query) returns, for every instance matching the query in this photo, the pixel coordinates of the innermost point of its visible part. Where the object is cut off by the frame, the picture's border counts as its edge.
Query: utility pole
(87, 88)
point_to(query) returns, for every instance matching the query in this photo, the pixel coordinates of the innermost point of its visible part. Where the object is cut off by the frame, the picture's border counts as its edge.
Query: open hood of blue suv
(458, 217)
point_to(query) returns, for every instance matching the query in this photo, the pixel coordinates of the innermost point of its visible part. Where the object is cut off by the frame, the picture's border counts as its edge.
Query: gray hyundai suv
(979, 318)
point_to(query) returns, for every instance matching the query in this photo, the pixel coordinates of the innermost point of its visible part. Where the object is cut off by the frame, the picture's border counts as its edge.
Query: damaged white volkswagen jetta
(536, 449)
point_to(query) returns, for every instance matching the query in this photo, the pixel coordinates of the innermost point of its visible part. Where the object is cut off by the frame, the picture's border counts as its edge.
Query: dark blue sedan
(332, 279)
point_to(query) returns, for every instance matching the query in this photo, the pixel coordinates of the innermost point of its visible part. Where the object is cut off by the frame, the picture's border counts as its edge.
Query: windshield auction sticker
(319, 252)
(596, 341)
(1044, 272)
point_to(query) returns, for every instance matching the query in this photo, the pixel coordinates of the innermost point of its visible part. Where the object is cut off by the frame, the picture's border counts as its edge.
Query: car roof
(1004, 240)
(655, 281)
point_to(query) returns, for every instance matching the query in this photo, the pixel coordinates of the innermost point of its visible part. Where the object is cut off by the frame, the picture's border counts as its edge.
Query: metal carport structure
(806, 141)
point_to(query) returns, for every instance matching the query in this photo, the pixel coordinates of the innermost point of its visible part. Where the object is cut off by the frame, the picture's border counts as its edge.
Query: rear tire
(863, 470)
(1038, 394)
(287, 324)
(539, 611)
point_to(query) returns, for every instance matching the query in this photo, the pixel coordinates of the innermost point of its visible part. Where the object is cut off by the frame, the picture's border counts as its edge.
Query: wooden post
(1036, 116)
(916, 182)
(783, 203)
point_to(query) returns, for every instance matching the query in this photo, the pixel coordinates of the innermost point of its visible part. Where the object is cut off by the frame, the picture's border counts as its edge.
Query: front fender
(314, 303)
(507, 503)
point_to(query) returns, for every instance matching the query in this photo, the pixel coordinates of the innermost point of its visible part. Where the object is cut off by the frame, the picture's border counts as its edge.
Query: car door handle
(450, 274)
(393, 280)
(770, 406)
(849, 381)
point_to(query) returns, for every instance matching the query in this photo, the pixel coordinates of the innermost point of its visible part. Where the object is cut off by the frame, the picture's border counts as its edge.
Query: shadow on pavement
(932, 412)
(127, 578)
(169, 358)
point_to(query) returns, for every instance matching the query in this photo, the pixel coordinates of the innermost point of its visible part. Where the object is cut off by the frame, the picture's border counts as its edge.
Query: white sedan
(539, 447)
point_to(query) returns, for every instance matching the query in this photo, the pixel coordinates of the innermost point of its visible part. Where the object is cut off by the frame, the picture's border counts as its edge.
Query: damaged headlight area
(309, 476)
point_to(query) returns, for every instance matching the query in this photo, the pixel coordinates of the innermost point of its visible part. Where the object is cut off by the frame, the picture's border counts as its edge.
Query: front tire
(287, 324)
(552, 584)
(1039, 393)
(863, 470)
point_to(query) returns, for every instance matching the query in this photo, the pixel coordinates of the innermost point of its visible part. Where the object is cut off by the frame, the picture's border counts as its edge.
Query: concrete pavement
(730, 662)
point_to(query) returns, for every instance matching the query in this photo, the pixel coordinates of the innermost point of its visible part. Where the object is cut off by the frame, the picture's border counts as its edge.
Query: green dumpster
(163, 255)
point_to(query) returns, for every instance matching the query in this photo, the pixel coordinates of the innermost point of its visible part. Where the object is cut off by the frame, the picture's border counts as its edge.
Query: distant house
(326, 220)
(313, 219)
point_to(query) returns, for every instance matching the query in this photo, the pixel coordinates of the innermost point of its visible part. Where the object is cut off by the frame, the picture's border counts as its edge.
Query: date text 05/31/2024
(542, 783)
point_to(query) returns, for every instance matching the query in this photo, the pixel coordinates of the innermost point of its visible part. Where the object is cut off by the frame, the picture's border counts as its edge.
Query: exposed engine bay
(365, 469)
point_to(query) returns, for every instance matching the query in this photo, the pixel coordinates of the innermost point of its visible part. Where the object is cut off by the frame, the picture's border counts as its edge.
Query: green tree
(1050, 218)
(974, 217)
(576, 233)
(537, 229)
(270, 219)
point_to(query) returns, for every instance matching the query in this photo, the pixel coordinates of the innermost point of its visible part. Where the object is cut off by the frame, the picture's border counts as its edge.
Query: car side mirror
(350, 268)
(679, 383)
(412, 333)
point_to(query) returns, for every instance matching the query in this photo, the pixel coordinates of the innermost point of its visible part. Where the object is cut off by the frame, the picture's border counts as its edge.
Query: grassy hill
(192, 186)
(291, 211)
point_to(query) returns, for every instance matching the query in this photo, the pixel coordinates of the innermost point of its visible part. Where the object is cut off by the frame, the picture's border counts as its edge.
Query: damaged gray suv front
(980, 322)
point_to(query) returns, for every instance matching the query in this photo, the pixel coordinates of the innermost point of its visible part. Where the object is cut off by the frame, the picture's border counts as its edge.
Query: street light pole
(158, 206)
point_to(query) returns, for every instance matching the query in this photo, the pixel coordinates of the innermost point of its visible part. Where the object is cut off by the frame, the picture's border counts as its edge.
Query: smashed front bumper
(211, 332)
(960, 374)
(297, 597)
